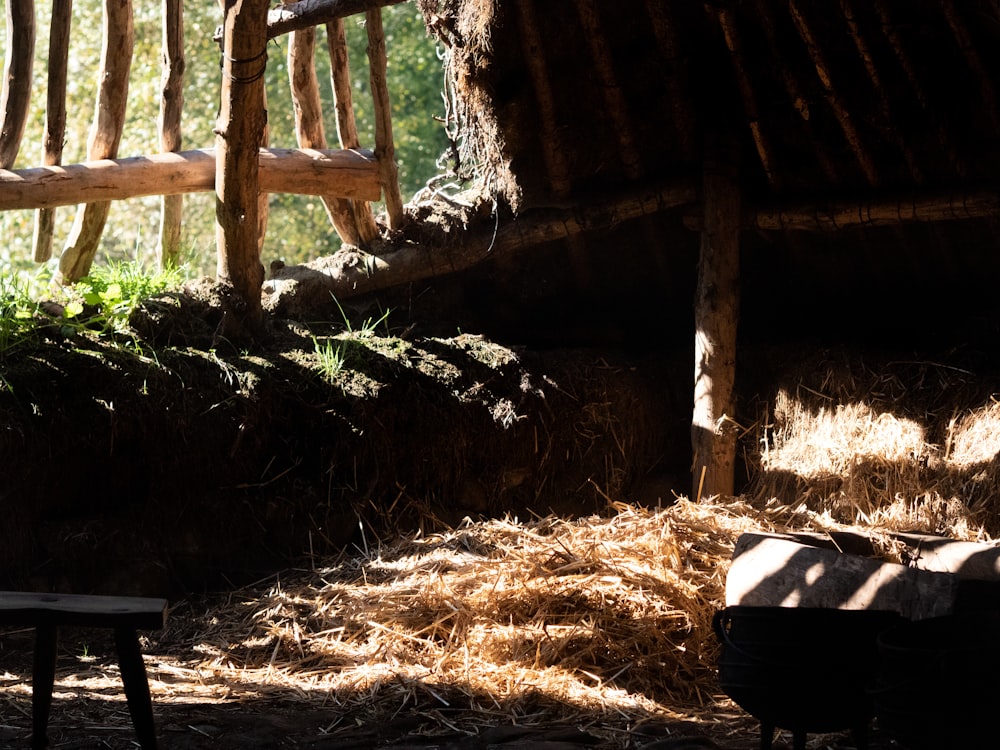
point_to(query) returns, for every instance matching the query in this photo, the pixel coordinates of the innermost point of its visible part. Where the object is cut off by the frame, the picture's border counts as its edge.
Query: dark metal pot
(937, 683)
(802, 669)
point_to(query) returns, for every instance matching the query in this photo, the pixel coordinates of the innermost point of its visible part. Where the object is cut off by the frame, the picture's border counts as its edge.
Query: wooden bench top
(27, 608)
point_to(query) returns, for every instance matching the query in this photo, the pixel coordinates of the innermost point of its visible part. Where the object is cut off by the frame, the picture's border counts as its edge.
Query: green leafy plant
(104, 300)
(17, 311)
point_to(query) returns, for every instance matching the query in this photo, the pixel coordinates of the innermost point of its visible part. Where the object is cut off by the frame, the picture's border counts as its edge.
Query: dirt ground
(192, 713)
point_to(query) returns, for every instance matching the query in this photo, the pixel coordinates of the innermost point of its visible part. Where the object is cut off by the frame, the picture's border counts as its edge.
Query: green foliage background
(298, 228)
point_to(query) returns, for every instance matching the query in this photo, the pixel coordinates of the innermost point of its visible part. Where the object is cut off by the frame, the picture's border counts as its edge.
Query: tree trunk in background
(713, 431)
(239, 133)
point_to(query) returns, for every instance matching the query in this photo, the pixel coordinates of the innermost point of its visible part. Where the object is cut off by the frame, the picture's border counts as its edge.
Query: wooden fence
(346, 178)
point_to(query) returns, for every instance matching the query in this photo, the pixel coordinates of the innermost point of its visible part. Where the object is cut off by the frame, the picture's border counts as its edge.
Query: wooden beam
(713, 431)
(886, 211)
(309, 13)
(353, 174)
(55, 118)
(301, 288)
(15, 93)
(105, 134)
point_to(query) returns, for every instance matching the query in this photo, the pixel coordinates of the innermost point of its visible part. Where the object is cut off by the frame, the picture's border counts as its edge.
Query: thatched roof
(826, 98)
(891, 107)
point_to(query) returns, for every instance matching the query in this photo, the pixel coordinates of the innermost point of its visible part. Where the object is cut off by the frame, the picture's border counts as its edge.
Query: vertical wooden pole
(171, 109)
(309, 122)
(55, 118)
(105, 134)
(239, 131)
(385, 149)
(713, 431)
(347, 129)
(15, 93)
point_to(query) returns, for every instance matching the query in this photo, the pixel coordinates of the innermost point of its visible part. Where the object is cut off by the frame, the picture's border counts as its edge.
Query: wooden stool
(124, 614)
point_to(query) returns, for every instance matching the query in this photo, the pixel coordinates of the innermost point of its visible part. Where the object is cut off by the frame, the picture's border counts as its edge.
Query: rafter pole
(833, 98)
(678, 94)
(864, 52)
(963, 40)
(617, 106)
(906, 63)
(730, 31)
(796, 97)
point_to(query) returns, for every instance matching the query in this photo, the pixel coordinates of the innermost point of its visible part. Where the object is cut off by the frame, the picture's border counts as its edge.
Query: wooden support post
(347, 129)
(171, 107)
(239, 131)
(385, 149)
(15, 94)
(105, 134)
(309, 122)
(55, 118)
(713, 431)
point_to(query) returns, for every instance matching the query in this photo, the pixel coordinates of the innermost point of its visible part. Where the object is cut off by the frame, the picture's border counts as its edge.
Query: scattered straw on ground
(607, 615)
(603, 622)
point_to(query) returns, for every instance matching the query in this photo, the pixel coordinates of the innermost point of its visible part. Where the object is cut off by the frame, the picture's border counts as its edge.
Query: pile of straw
(602, 617)
(904, 445)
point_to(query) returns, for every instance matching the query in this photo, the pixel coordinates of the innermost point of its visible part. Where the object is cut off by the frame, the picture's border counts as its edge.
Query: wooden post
(347, 129)
(385, 149)
(713, 431)
(15, 93)
(309, 122)
(239, 132)
(55, 118)
(105, 134)
(171, 108)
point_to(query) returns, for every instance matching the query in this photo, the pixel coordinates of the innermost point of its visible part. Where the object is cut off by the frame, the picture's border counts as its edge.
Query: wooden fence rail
(282, 170)
(347, 179)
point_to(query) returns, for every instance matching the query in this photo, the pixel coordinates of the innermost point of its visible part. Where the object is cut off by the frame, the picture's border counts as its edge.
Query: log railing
(347, 179)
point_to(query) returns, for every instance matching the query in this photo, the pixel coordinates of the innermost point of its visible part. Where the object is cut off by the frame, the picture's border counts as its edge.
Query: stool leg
(140, 705)
(43, 677)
